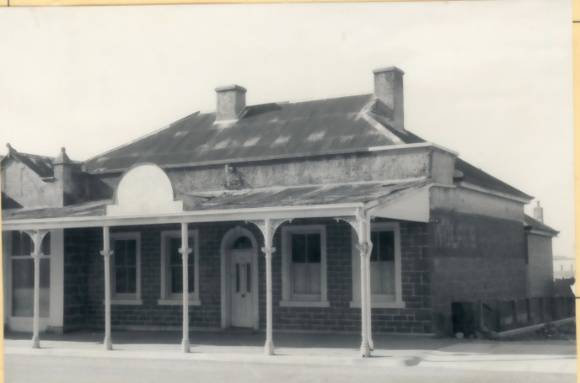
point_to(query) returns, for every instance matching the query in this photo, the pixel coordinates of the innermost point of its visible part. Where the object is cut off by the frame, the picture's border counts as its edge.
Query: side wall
(540, 265)
(478, 250)
(26, 188)
(84, 284)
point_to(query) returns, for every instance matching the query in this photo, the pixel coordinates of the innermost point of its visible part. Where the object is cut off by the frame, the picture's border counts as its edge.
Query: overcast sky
(490, 79)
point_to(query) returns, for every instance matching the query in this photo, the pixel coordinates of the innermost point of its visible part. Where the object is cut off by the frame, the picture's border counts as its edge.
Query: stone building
(302, 216)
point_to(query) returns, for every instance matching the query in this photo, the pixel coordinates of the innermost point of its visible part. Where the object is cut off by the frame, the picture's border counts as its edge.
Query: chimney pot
(389, 90)
(62, 158)
(231, 102)
(539, 212)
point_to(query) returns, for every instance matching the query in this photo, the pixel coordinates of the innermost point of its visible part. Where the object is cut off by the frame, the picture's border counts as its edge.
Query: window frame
(288, 298)
(11, 258)
(379, 300)
(126, 298)
(171, 299)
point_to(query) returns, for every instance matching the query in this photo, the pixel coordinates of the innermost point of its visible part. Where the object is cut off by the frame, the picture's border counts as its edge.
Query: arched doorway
(239, 282)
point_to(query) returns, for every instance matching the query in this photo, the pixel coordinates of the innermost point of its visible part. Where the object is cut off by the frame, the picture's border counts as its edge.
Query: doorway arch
(241, 238)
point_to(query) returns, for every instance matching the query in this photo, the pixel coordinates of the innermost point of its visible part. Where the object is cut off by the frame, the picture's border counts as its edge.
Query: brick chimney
(389, 90)
(539, 212)
(231, 102)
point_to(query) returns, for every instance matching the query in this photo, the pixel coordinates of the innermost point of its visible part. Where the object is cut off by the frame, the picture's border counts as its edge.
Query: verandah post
(368, 286)
(268, 251)
(106, 253)
(185, 251)
(364, 247)
(37, 237)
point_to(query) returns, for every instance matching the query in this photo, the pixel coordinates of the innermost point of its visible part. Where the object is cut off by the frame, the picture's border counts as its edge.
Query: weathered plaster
(540, 265)
(373, 166)
(25, 187)
(467, 201)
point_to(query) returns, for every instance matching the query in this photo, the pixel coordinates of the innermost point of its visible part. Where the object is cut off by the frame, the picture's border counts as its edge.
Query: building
(540, 256)
(564, 267)
(300, 216)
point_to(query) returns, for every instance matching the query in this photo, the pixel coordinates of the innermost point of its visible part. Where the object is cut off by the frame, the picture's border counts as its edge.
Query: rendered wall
(540, 266)
(26, 188)
(369, 166)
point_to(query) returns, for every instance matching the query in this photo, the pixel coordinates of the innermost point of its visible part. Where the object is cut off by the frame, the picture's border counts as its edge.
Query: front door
(243, 296)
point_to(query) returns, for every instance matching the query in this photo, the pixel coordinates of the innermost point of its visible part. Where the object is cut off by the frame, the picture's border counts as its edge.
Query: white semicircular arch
(144, 189)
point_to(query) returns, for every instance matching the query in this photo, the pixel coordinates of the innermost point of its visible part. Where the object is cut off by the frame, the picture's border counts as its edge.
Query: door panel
(242, 294)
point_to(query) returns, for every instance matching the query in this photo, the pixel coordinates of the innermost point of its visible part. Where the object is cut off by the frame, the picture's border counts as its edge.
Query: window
(172, 269)
(126, 268)
(21, 247)
(386, 289)
(383, 263)
(304, 266)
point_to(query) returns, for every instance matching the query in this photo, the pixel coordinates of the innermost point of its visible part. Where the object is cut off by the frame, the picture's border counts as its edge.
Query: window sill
(381, 305)
(304, 304)
(126, 302)
(177, 302)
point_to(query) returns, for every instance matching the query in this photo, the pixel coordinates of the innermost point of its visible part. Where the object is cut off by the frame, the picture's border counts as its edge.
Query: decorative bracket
(360, 222)
(365, 248)
(37, 236)
(268, 228)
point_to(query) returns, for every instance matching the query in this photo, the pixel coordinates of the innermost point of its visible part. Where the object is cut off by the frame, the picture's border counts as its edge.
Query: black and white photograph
(314, 192)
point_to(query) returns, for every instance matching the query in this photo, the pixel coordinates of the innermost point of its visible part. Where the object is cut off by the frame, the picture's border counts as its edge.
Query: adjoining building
(325, 215)
(564, 267)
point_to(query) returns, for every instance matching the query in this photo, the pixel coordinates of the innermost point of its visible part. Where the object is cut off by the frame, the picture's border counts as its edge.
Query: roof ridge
(304, 101)
(36, 155)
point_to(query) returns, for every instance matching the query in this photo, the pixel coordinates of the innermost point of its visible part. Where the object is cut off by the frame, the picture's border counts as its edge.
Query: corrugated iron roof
(86, 209)
(275, 129)
(297, 195)
(534, 224)
(274, 197)
(478, 177)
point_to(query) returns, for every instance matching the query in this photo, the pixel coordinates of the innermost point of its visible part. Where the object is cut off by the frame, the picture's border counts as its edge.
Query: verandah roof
(334, 198)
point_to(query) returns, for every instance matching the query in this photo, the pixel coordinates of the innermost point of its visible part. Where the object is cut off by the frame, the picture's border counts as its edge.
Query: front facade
(315, 216)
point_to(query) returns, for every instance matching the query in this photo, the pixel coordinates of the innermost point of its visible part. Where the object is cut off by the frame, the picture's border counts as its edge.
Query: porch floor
(230, 340)
(311, 349)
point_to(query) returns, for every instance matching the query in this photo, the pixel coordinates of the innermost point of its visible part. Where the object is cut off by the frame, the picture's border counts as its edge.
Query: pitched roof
(9, 203)
(268, 130)
(276, 130)
(41, 165)
(534, 224)
(475, 176)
